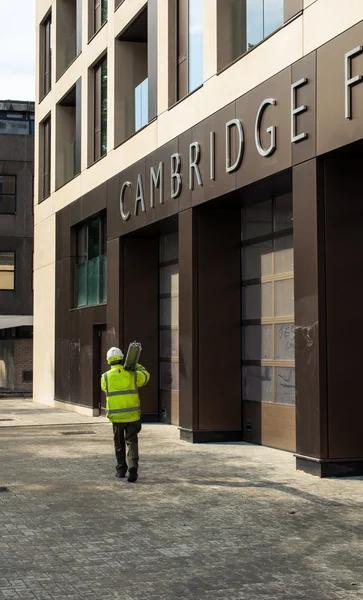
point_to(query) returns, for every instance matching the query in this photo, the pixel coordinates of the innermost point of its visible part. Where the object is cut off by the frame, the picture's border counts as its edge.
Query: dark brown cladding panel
(305, 69)
(219, 323)
(311, 409)
(188, 320)
(223, 182)
(292, 8)
(63, 233)
(344, 288)
(255, 166)
(333, 129)
(140, 306)
(114, 290)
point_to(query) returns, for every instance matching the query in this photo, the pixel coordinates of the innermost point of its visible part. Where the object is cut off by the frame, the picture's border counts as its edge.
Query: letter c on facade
(125, 217)
(270, 130)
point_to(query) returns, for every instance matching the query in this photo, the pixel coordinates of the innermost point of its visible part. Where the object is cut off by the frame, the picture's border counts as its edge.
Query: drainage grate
(2, 419)
(77, 432)
(4, 489)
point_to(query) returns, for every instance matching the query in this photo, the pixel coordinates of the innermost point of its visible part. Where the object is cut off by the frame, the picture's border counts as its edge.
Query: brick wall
(23, 361)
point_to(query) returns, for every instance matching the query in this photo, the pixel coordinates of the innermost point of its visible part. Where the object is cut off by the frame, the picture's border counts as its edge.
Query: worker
(124, 411)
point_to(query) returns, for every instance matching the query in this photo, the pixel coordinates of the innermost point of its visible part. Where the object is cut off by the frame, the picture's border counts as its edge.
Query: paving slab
(23, 412)
(211, 521)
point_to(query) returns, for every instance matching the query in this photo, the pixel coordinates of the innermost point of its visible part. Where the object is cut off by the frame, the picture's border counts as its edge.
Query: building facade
(16, 246)
(197, 189)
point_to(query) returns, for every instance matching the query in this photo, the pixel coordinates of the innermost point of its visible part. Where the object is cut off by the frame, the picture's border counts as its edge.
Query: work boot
(120, 474)
(132, 475)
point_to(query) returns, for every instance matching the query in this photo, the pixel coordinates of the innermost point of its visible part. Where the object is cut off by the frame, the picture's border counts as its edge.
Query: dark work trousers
(126, 434)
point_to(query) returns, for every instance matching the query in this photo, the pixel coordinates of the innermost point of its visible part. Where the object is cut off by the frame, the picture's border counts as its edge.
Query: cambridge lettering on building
(131, 204)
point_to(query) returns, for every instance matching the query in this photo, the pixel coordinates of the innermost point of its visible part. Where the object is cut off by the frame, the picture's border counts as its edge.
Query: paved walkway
(206, 522)
(15, 412)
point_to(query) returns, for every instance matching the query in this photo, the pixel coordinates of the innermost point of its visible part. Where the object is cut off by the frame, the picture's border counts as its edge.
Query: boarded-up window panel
(182, 48)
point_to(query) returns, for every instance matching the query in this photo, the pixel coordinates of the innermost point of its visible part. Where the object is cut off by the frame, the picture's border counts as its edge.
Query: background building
(16, 246)
(198, 189)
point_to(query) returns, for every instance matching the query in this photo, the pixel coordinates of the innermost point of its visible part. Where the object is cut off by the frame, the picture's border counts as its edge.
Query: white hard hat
(114, 355)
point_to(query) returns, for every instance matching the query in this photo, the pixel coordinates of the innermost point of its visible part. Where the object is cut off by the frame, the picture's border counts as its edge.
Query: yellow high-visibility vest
(122, 396)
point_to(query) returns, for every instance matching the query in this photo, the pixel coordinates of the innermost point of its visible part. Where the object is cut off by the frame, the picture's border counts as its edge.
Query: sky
(17, 50)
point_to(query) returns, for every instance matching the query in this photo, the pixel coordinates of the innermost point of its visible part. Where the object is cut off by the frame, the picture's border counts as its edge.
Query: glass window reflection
(250, 22)
(195, 38)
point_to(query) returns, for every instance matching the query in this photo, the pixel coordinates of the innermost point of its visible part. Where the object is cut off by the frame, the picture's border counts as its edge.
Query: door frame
(97, 349)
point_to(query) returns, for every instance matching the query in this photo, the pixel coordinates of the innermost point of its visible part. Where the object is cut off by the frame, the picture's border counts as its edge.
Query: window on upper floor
(131, 80)
(189, 70)
(69, 33)
(100, 13)
(7, 194)
(44, 158)
(16, 123)
(90, 282)
(7, 270)
(68, 140)
(99, 109)
(244, 23)
(45, 56)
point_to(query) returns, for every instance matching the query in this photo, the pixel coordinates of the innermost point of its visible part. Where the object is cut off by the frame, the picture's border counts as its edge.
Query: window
(7, 271)
(45, 149)
(100, 13)
(91, 267)
(141, 105)
(100, 109)
(69, 33)
(268, 328)
(46, 56)
(27, 376)
(132, 78)
(14, 126)
(68, 142)
(244, 23)
(189, 46)
(7, 194)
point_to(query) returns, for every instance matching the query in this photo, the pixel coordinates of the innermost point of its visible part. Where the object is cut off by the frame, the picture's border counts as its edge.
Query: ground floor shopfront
(247, 308)
(234, 254)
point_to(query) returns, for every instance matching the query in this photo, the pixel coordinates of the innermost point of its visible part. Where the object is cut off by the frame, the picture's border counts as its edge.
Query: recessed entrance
(100, 366)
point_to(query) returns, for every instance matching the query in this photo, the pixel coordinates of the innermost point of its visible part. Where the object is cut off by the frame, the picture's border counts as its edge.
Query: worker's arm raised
(142, 375)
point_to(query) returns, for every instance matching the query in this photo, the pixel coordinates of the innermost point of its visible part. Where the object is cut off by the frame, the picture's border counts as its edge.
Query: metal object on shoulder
(132, 356)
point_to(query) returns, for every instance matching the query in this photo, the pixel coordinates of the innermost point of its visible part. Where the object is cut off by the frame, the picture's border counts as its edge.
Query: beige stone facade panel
(126, 13)
(326, 19)
(44, 303)
(271, 57)
(44, 243)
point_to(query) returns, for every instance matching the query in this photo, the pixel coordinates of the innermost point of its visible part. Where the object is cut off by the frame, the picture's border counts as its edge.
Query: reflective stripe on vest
(118, 411)
(120, 393)
(143, 372)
